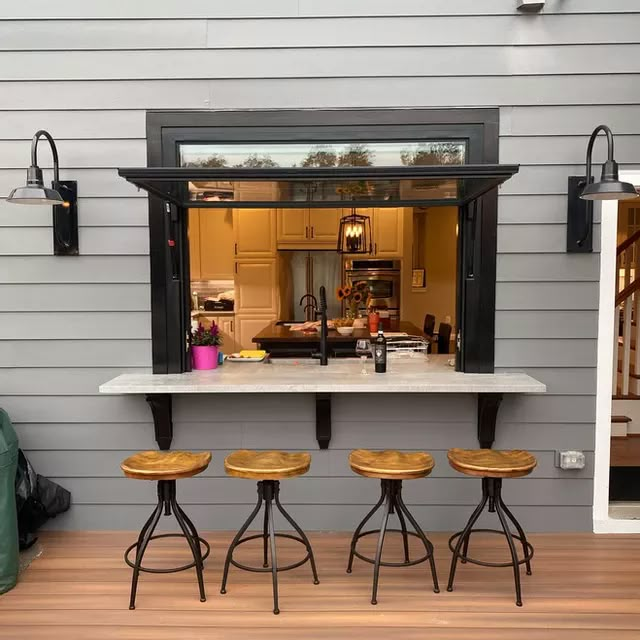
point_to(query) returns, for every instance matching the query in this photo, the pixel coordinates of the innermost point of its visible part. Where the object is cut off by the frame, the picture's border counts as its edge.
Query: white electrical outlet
(570, 460)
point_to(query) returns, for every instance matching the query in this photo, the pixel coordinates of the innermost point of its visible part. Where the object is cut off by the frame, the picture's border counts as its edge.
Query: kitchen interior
(259, 270)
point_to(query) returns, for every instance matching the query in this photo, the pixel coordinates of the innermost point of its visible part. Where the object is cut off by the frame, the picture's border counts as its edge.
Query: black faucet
(323, 355)
(313, 305)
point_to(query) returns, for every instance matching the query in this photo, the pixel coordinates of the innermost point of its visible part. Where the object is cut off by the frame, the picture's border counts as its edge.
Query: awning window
(281, 187)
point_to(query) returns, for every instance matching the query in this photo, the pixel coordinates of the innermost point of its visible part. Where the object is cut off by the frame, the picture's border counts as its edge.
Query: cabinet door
(293, 226)
(194, 244)
(256, 287)
(226, 324)
(387, 232)
(255, 233)
(324, 225)
(249, 326)
(216, 244)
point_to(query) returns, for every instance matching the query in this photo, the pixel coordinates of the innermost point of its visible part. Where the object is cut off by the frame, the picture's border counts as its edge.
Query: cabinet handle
(306, 232)
(232, 326)
(235, 249)
(312, 232)
(236, 265)
(375, 248)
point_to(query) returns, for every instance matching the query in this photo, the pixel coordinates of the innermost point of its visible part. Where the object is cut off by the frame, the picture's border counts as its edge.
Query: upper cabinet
(254, 233)
(387, 232)
(308, 228)
(211, 240)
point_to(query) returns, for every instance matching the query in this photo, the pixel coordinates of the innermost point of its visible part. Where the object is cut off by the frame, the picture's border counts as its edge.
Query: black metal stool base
(391, 502)
(168, 505)
(492, 494)
(269, 492)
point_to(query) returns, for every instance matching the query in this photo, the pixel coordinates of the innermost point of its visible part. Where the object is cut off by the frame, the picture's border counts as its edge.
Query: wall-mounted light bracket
(579, 217)
(65, 219)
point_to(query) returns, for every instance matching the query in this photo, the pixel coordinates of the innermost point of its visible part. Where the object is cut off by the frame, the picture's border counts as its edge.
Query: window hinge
(187, 341)
(458, 340)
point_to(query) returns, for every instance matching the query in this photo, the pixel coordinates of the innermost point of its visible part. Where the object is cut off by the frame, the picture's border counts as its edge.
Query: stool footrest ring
(191, 565)
(269, 569)
(384, 563)
(484, 563)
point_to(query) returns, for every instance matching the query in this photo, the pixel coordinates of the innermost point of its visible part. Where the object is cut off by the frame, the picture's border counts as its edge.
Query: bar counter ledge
(341, 376)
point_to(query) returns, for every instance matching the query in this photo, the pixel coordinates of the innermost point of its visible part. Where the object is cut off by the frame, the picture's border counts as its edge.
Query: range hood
(324, 187)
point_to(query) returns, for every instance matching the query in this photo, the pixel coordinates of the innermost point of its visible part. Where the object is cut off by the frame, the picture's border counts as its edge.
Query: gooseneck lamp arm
(54, 152)
(589, 179)
(592, 140)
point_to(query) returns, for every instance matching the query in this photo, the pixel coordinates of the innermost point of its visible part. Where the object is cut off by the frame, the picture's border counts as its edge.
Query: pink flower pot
(204, 357)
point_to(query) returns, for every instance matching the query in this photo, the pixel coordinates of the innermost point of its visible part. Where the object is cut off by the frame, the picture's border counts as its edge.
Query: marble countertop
(403, 375)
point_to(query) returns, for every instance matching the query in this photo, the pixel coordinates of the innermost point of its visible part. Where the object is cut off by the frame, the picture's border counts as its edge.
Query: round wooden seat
(391, 464)
(489, 463)
(266, 465)
(165, 465)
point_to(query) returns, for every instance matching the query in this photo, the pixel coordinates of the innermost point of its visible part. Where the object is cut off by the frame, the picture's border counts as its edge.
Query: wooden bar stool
(268, 467)
(391, 467)
(492, 466)
(165, 467)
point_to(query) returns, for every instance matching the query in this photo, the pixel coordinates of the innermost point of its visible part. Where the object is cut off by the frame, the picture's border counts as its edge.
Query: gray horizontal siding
(319, 517)
(309, 93)
(424, 31)
(325, 464)
(307, 63)
(92, 212)
(215, 434)
(77, 9)
(68, 324)
(97, 269)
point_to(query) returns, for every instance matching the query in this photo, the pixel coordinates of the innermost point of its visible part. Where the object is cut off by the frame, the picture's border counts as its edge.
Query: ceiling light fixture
(530, 6)
(354, 235)
(63, 195)
(583, 191)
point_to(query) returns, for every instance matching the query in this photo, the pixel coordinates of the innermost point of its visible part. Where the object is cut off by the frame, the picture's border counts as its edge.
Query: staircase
(626, 370)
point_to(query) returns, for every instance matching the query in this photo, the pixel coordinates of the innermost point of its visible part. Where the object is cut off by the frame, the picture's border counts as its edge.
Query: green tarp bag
(9, 560)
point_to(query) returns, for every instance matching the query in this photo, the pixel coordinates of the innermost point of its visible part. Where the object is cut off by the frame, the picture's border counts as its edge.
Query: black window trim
(477, 221)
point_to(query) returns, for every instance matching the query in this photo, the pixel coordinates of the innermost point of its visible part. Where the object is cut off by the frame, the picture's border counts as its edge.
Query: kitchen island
(281, 341)
(405, 375)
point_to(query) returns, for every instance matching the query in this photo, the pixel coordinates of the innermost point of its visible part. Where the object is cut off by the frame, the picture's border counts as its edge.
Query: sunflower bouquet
(353, 296)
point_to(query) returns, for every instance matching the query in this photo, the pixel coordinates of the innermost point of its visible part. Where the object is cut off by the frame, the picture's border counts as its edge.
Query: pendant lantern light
(354, 235)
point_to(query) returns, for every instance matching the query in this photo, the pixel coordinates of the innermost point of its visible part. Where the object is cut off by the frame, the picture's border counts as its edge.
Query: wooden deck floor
(583, 586)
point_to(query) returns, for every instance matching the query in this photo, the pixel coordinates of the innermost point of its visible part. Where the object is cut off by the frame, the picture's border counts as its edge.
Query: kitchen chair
(444, 337)
(492, 466)
(391, 467)
(429, 328)
(268, 467)
(165, 467)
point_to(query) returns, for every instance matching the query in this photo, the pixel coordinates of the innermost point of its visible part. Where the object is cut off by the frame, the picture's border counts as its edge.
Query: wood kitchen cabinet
(254, 233)
(249, 326)
(211, 240)
(387, 232)
(308, 228)
(256, 287)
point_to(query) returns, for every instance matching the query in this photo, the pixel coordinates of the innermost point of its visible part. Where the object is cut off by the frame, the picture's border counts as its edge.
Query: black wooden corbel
(323, 419)
(488, 405)
(160, 404)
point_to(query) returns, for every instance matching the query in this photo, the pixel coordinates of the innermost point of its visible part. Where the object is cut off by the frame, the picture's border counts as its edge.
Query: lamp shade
(34, 192)
(609, 186)
(35, 195)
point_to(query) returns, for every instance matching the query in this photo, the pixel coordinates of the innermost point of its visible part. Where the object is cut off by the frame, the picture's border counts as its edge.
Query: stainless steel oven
(381, 276)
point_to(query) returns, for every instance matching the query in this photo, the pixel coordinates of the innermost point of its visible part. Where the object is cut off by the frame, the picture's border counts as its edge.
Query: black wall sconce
(63, 195)
(354, 235)
(583, 191)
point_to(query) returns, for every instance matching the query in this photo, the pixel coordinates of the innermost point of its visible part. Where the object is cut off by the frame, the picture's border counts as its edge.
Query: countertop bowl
(345, 331)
